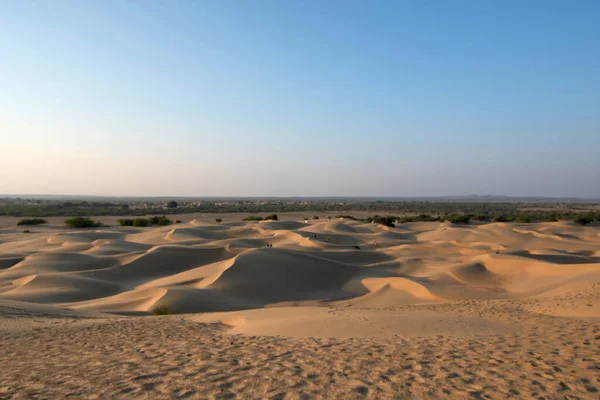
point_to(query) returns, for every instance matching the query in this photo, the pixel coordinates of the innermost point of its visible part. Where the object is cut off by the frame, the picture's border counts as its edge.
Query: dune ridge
(324, 261)
(334, 309)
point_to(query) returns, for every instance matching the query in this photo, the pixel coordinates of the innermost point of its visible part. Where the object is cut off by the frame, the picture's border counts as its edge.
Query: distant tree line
(406, 211)
(390, 220)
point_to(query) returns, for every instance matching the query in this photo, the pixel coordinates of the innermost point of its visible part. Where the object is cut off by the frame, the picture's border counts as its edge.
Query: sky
(300, 98)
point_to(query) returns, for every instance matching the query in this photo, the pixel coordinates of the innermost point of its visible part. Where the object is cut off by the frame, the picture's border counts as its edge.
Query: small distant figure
(315, 235)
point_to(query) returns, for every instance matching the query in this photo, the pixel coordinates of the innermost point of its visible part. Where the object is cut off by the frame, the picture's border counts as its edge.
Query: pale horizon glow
(300, 99)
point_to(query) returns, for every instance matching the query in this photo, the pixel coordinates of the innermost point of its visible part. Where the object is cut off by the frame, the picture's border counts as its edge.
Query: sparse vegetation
(82, 222)
(160, 221)
(524, 218)
(141, 222)
(162, 310)
(585, 219)
(418, 218)
(26, 231)
(458, 218)
(404, 210)
(178, 221)
(253, 218)
(387, 221)
(218, 220)
(32, 221)
(272, 217)
(316, 217)
(352, 217)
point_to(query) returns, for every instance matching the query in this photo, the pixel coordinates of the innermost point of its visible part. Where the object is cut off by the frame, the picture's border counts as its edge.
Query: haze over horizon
(300, 99)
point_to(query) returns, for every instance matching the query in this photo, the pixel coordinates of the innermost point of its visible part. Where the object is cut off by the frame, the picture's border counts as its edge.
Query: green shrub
(82, 222)
(272, 217)
(32, 221)
(459, 218)
(585, 219)
(504, 218)
(418, 218)
(253, 218)
(426, 218)
(125, 222)
(161, 221)
(218, 220)
(387, 221)
(162, 310)
(172, 204)
(140, 222)
(526, 219)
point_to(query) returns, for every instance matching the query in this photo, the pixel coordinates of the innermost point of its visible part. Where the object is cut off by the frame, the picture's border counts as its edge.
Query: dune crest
(204, 267)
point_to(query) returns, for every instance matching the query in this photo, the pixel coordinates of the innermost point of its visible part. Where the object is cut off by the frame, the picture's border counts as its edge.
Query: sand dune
(374, 287)
(316, 261)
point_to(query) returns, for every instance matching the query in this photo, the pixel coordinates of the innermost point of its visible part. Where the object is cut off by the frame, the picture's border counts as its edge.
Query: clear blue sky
(282, 98)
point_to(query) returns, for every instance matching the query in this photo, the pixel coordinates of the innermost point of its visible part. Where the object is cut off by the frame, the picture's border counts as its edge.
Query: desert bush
(253, 218)
(161, 221)
(426, 218)
(82, 222)
(162, 310)
(352, 217)
(585, 219)
(523, 218)
(140, 222)
(32, 221)
(459, 218)
(26, 231)
(218, 220)
(178, 221)
(125, 222)
(387, 221)
(316, 217)
(272, 217)
(482, 217)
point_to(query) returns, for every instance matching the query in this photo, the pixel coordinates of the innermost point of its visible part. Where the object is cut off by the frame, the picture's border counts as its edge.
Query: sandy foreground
(335, 309)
